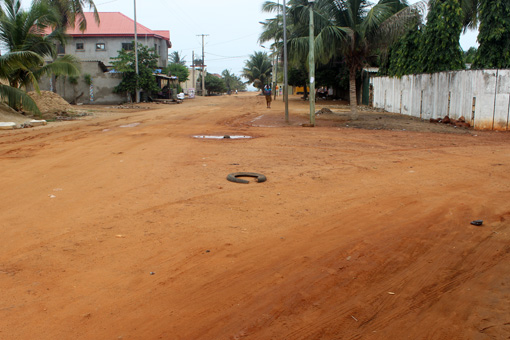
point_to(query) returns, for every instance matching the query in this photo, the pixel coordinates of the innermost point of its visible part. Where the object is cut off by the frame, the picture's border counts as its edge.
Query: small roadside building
(95, 47)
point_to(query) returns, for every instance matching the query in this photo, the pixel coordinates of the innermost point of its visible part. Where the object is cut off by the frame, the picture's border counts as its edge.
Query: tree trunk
(352, 93)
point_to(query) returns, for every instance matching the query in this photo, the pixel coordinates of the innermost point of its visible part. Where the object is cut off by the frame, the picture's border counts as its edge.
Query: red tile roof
(115, 24)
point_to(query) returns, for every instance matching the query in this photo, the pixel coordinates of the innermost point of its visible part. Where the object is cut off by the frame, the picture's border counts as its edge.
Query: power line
(236, 39)
(189, 18)
(221, 43)
(224, 56)
(238, 57)
(108, 2)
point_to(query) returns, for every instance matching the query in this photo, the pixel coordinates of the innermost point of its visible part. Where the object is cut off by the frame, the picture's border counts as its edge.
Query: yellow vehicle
(301, 90)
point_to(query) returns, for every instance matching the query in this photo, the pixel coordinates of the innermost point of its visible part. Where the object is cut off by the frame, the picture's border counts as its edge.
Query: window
(79, 46)
(61, 49)
(100, 47)
(127, 46)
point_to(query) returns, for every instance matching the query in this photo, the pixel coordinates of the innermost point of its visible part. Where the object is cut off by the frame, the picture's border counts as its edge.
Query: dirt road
(112, 229)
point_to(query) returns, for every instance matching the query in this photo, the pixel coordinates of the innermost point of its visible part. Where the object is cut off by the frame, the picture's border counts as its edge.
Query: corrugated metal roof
(114, 24)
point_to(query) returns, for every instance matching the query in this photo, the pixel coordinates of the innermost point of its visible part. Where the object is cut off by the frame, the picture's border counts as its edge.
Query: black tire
(233, 177)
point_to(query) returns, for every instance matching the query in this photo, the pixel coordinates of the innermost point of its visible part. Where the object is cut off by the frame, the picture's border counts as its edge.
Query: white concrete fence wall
(482, 97)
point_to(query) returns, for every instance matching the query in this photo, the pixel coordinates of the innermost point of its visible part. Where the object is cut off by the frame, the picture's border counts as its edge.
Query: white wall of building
(101, 91)
(112, 47)
(190, 83)
(482, 97)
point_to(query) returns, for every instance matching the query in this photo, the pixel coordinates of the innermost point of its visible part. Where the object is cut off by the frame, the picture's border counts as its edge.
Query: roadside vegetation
(21, 32)
(392, 35)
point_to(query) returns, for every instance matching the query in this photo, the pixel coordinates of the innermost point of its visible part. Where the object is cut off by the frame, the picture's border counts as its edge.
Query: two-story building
(95, 47)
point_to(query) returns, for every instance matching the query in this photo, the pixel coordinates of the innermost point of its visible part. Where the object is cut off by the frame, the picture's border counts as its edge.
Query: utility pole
(203, 63)
(285, 64)
(194, 81)
(136, 59)
(275, 74)
(276, 58)
(311, 65)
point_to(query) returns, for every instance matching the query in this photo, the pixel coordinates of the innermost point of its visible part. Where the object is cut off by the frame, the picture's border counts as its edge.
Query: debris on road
(7, 125)
(233, 177)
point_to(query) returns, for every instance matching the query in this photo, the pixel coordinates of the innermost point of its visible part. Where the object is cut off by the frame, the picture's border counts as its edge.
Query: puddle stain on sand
(130, 125)
(221, 137)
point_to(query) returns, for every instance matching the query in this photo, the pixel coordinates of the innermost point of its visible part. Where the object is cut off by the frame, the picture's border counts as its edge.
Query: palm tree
(353, 30)
(15, 97)
(258, 69)
(232, 81)
(22, 32)
(176, 58)
(228, 78)
(470, 10)
(272, 29)
(71, 12)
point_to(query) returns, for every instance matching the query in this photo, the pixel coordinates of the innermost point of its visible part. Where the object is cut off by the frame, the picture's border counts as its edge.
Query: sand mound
(324, 110)
(7, 114)
(50, 103)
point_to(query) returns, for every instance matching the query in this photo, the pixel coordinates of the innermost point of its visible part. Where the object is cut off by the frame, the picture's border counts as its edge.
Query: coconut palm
(470, 10)
(258, 69)
(232, 81)
(15, 97)
(22, 32)
(228, 78)
(176, 58)
(71, 12)
(272, 29)
(352, 30)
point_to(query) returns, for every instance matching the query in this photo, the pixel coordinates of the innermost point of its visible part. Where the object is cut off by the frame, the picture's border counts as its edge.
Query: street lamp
(311, 65)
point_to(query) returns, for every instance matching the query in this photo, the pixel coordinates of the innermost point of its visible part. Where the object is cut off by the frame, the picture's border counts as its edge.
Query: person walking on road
(267, 93)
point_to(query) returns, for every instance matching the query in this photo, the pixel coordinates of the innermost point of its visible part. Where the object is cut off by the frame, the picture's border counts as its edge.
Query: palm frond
(271, 7)
(331, 40)
(397, 24)
(376, 16)
(298, 49)
(470, 10)
(17, 98)
(19, 59)
(67, 65)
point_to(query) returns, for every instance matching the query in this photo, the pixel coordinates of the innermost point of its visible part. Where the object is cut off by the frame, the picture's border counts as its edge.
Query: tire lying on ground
(233, 177)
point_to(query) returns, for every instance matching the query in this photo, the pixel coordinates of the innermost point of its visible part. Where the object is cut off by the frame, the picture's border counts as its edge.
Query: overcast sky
(232, 26)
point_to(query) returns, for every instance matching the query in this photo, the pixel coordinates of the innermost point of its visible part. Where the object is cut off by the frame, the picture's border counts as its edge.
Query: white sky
(233, 27)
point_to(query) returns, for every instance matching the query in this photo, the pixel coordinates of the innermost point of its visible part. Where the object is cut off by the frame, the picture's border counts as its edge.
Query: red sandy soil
(113, 232)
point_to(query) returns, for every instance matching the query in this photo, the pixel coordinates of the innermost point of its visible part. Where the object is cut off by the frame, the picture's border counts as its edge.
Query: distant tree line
(390, 34)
